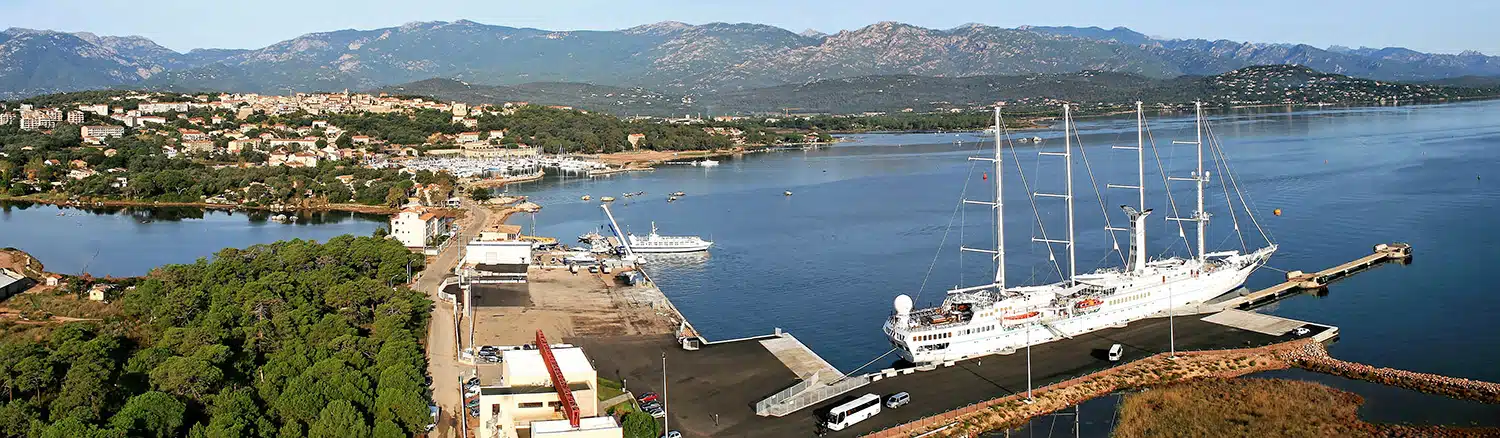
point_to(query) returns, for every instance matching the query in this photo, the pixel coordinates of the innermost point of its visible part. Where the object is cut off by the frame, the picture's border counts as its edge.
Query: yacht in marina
(999, 317)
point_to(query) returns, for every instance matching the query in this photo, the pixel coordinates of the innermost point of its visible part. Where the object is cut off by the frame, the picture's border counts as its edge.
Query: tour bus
(855, 411)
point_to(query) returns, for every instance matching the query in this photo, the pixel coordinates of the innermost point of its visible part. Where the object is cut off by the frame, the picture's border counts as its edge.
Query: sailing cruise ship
(1002, 318)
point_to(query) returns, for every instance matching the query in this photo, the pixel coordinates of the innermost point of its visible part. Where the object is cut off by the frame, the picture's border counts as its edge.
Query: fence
(807, 393)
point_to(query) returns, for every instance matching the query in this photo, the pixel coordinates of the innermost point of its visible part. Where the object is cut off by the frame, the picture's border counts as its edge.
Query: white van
(1115, 351)
(897, 400)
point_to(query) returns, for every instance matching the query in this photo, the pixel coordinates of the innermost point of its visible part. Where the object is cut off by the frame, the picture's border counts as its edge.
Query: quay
(1296, 281)
(773, 385)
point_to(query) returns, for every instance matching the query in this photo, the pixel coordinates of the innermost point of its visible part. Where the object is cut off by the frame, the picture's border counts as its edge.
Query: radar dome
(903, 304)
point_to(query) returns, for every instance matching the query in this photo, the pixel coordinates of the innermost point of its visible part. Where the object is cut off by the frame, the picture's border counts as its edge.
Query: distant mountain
(1121, 35)
(1278, 84)
(674, 57)
(616, 100)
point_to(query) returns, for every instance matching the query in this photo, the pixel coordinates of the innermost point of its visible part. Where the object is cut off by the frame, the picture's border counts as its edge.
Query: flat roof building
(526, 403)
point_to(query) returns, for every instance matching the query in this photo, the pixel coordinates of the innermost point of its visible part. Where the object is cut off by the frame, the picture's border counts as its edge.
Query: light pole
(666, 419)
(1029, 400)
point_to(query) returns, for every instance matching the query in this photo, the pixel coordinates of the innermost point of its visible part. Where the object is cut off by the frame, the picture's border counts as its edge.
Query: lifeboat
(1020, 318)
(1089, 303)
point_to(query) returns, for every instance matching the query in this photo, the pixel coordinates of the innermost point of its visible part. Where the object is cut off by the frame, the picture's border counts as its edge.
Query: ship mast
(1137, 262)
(1199, 178)
(999, 208)
(1067, 155)
(999, 252)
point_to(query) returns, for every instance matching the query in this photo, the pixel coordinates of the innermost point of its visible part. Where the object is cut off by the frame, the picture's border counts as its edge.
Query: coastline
(353, 208)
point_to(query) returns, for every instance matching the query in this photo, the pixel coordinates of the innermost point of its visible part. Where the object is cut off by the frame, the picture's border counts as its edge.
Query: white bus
(855, 411)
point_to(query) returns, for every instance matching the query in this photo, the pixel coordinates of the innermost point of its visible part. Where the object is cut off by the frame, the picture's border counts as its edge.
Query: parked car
(651, 405)
(648, 396)
(471, 391)
(658, 413)
(672, 434)
(1301, 331)
(1115, 352)
(473, 381)
(432, 412)
(897, 400)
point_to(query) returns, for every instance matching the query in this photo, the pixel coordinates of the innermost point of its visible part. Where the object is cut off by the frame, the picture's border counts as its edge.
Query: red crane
(559, 382)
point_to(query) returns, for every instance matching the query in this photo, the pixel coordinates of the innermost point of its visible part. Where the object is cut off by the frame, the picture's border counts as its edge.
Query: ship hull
(1154, 304)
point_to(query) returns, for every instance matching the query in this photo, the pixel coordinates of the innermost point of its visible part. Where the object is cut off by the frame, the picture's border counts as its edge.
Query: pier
(1297, 281)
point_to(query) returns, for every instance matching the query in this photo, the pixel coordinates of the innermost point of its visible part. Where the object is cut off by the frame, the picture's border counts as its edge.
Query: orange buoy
(1276, 212)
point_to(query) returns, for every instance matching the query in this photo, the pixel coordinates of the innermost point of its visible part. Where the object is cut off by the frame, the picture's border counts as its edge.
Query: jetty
(1297, 281)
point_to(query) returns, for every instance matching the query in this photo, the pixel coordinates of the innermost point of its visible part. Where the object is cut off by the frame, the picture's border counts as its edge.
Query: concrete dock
(1296, 281)
(711, 391)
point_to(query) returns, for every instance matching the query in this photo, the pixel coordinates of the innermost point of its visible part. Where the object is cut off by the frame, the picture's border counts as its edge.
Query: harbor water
(132, 241)
(870, 219)
(879, 216)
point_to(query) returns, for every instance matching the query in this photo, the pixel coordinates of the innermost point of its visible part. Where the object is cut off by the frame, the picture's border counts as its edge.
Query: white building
(414, 226)
(153, 108)
(499, 245)
(101, 131)
(497, 256)
(526, 402)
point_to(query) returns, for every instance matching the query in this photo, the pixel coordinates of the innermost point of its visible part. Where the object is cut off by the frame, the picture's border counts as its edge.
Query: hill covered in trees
(1269, 84)
(287, 339)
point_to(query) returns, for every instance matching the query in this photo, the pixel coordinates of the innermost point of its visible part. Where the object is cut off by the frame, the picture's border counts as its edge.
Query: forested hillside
(288, 339)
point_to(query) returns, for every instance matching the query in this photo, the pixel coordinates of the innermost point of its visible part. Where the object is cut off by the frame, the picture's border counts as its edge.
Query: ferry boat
(1001, 318)
(655, 243)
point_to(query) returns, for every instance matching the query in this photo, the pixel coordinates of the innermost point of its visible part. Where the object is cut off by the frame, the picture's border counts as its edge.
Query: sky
(1443, 26)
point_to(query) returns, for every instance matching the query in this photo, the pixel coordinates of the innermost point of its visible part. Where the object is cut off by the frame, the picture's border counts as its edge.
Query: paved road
(442, 348)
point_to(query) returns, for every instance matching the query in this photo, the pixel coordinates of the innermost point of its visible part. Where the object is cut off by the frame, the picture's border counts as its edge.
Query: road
(442, 342)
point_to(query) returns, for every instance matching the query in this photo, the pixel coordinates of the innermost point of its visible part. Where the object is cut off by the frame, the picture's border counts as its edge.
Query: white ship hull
(670, 249)
(998, 318)
(1147, 296)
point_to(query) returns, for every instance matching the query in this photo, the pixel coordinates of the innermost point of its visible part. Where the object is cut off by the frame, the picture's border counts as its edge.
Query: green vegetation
(149, 175)
(609, 389)
(575, 131)
(639, 424)
(286, 339)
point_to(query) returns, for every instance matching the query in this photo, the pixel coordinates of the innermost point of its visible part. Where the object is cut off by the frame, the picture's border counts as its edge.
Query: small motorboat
(586, 197)
(671, 198)
(607, 199)
(787, 193)
(679, 194)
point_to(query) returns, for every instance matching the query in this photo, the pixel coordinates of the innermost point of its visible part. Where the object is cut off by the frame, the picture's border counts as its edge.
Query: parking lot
(712, 392)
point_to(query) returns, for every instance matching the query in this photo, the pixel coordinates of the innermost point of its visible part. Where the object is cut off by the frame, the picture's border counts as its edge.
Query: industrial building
(497, 256)
(12, 282)
(544, 392)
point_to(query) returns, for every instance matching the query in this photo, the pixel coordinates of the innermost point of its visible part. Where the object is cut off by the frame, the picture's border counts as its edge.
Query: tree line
(287, 339)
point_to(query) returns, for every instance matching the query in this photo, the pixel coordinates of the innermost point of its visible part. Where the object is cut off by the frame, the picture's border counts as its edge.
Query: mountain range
(673, 57)
(1256, 85)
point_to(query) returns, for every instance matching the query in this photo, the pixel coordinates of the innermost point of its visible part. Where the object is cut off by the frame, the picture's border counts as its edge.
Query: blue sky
(1446, 26)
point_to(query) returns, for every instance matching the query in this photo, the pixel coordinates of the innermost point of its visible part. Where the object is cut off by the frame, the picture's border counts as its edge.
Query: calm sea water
(878, 216)
(131, 241)
(869, 219)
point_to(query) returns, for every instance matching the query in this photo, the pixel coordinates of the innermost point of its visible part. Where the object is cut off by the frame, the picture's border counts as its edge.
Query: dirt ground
(647, 158)
(566, 305)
